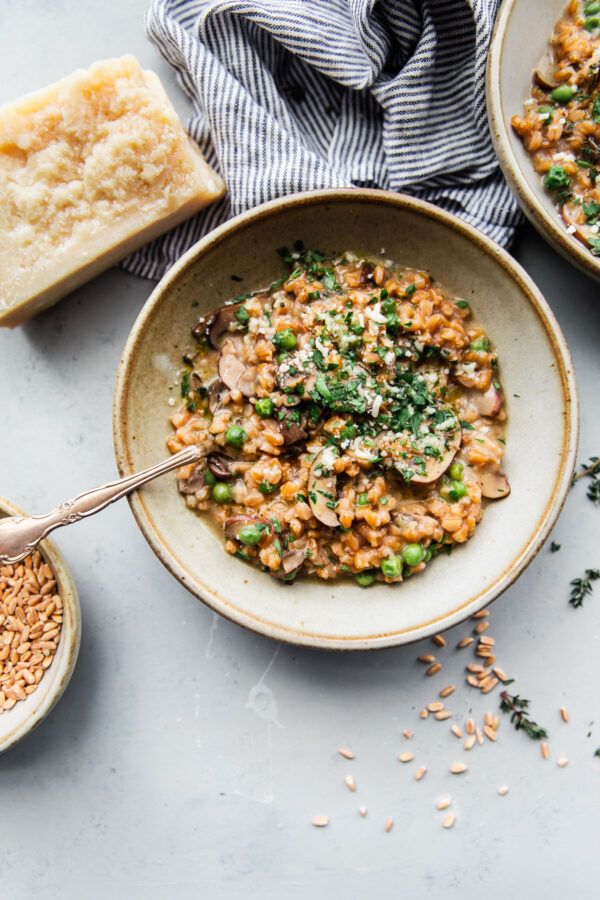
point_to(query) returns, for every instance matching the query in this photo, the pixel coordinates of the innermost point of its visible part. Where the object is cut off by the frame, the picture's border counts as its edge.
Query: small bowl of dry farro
(375, 461)
(543, 95)
(40, 628)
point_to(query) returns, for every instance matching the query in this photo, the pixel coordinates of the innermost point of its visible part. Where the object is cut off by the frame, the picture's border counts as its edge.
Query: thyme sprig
(591, 470)
(518, 707)
(583, 586)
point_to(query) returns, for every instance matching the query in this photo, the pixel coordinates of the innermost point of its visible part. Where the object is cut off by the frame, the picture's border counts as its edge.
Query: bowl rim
(71, 635)
(547, 519)
(549, 227)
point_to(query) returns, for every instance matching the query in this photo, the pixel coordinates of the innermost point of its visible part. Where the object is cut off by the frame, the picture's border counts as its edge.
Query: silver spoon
(20, 535)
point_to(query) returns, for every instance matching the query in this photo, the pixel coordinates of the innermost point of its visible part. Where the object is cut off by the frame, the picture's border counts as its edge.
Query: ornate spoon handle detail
(20, 535)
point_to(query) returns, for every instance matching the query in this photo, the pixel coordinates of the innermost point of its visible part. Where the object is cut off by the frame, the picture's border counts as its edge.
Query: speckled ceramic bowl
(520, 39)
(536, 371)
(19, 721)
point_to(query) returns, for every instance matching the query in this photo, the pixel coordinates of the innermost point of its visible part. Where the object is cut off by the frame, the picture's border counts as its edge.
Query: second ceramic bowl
(520, 39)
(536, 372)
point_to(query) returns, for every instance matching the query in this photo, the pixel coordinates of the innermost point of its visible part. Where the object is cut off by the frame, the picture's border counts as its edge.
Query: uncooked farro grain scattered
(476, 668)
(424, 714)
(564, 714)
(444, 803)
(483, 626)
(545, 750)
(500, 673)
(464, 643)
(389, 824)
(350, 782)
(427, 658)
(503, 790)
(439, 640)
(470, 742)
(320, 821)
(488, 641)
(408, 734)
(346, 753)
(482, 614)
(420, 772)
(406, 757)
(449, 689)
(490, 733)
(470, 726)
(362, 811)
(474, 682)
(479, 735)
(449, 821)
(562, 761)
(434, 669)
(496, 723)
(458, 768)
(488, 718)
(457, 731)
(435, 706)
(488, 685)
(442, 715)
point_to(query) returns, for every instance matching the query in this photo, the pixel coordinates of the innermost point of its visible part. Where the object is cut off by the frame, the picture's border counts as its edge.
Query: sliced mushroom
(234, 373)
(322, 490)
(494, 485)
(216, 324)
(583, 231)
(215, 394)
(434, 466)
(234, 524)
(291, 430)
(291, 563)
(487, 403)
(220, 465)
(544, 74)
(195, 482)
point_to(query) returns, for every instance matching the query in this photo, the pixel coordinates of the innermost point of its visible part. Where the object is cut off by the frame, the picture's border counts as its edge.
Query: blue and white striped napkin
(292, 95)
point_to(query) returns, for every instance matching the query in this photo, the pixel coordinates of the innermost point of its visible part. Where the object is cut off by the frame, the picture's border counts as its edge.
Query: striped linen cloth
(292, 95)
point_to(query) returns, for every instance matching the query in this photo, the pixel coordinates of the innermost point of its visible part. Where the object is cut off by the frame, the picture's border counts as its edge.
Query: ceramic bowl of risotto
(544, 117)
(40, 632)
(385, 412)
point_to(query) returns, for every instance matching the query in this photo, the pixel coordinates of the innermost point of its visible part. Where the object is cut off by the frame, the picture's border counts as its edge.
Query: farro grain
(457, 731)
(439, 640)
(320, 821)
(435, 706)
(449, 689)
(470, 742)
(350, 782)
(406, 757)
(346, 753)
(444, 803)
(434, 669)
(449, 821)
(464, 643)
(389, 824)
(458, 768)
(420, 772)
(564, 714)
(545, 750)
(442, 715)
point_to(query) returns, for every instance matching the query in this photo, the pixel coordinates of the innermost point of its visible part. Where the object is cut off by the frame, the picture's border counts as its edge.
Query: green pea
(427, 556)
(264, 407)
(250, 534)
(265, 487)
(362, 500)
(282, 356)
(285, 340)
(556, 177)
(480, 344)
(563, 93)
(391, 567)
(457, 471)
(222, 492)
(236, 436)
(412, 554)
(591, 8)
(457, 490)
(591, 24)
(209, 478)
(364, 579)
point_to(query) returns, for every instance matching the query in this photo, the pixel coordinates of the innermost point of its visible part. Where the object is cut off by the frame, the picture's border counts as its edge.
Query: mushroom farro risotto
(560, 127)
(350, 418)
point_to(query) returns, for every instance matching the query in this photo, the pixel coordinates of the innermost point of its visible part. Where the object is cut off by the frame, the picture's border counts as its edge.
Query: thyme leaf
(518, 708)
(582, 587)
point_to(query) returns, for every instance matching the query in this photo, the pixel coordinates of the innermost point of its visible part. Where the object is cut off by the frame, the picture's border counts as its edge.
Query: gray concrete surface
(188, 757)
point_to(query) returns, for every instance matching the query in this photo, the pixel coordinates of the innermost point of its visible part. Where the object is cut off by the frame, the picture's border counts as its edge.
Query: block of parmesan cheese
(91, 168)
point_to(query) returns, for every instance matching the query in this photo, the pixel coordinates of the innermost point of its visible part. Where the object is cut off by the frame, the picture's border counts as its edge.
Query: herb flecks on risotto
(560, 126)
(351, 420)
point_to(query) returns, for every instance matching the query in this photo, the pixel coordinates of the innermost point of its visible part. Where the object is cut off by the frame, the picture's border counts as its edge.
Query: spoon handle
(20, 535)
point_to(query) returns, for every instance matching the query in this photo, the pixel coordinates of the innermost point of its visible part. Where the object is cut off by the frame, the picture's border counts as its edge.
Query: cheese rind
(91, 168)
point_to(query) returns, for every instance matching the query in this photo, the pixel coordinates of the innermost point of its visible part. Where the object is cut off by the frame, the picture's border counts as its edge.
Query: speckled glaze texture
(536, 371)
(27, 714)
(520, 39)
